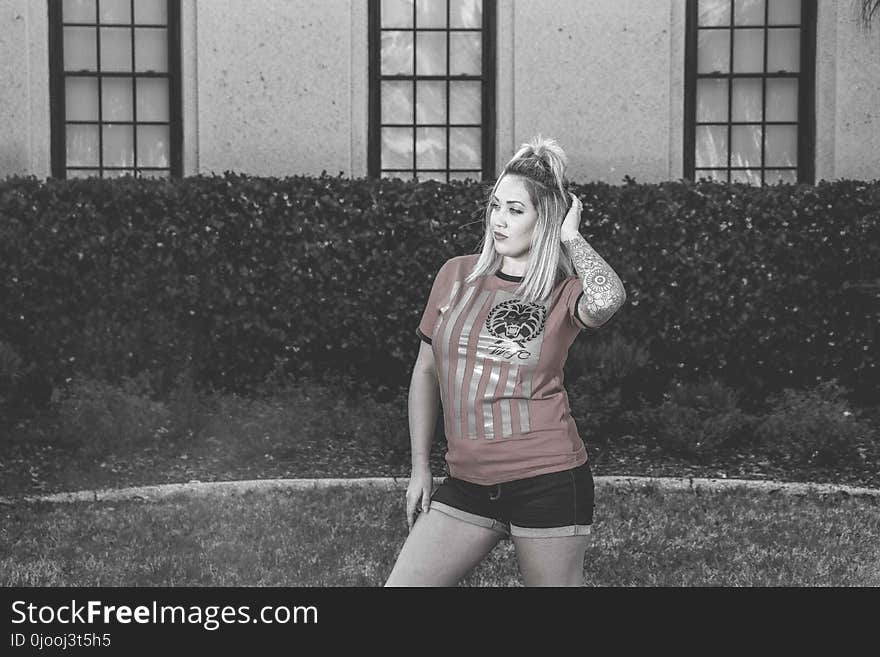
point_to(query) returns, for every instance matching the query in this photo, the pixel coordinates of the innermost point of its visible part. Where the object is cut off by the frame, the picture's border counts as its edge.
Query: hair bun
(550, 155)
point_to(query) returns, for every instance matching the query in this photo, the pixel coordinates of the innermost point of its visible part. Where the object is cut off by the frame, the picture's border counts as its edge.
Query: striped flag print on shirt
(499, 365)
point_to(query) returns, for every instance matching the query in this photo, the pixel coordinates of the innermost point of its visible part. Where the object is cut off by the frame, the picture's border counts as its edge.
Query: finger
(426, 499)
(410, 512)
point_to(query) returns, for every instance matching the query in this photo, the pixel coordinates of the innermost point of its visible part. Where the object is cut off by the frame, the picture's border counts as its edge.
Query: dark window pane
(430, 13)
(782, 99)
(397, 53)
(151, 49)
(431, 101)
(430, 53)
(711, 146)
(83, 173)
(465, 148)
(115, 49)
(397, 148)
(748, 51)
(747, 99)
(781, 145)
(713, 12)
(431, 148)
(118, 145)
(466, 13)
(465, 102)
(81, 99)
(80, 49)
(465, 53)
(153, 12)
(153, 99)
(439, 176)
(118, 173)
(713, 51)
(748, 12)
(745, 146)
(783, 50)
(773, 176)
(115, 12)
(397, 13)
(397, 101)
(154, 173)
(720, 176)
(785, 12)
(82, 146)
(117, 99)
(154, 145)
(712, 100)
(79, 11)
(747, 176)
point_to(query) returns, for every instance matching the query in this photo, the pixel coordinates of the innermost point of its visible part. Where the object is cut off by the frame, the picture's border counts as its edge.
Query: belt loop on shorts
(493, 495)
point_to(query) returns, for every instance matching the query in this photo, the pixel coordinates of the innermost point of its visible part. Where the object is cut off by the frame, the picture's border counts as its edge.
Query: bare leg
(557, 561)
(440, 550)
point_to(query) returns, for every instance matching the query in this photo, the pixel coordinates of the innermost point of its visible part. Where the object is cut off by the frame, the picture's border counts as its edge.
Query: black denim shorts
(547, 505)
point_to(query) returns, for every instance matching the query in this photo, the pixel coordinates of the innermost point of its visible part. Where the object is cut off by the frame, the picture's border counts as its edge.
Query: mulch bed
(28, 468)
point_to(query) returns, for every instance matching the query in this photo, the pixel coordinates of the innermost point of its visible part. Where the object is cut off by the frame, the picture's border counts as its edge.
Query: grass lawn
(350, 537)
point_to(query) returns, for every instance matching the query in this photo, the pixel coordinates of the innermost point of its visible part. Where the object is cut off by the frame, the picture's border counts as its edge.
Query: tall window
(750, 84)
(432, 87)
(115, 88)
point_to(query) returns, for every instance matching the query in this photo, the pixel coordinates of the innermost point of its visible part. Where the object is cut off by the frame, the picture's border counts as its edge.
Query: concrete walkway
(197, 488)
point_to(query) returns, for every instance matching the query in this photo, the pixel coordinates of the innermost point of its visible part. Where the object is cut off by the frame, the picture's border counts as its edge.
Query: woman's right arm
(424, 408)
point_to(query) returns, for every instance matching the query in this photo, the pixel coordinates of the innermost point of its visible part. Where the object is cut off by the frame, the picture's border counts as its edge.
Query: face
(513, 215)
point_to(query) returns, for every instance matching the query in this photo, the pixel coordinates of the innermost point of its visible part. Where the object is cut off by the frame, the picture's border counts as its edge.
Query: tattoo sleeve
(603, 289)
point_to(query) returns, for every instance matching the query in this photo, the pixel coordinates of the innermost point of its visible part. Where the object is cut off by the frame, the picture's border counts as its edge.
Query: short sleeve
(436, 299)
(572, 292)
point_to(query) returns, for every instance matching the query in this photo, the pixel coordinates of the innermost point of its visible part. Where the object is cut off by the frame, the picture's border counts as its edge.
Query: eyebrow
(511, 201)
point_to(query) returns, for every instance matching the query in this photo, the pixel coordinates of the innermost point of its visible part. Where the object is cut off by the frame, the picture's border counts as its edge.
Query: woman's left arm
(603, 290)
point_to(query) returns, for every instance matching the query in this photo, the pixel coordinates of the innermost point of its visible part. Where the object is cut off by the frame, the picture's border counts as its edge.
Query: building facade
(743, 90)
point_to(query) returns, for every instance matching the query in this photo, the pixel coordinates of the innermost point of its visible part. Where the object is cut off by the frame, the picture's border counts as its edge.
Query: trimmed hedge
(232, 279)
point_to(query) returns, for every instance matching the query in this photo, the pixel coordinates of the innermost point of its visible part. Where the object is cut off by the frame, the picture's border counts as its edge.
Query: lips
(499, 236)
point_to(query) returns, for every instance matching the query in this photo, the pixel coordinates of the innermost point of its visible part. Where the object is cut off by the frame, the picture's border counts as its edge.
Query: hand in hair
(571, 223)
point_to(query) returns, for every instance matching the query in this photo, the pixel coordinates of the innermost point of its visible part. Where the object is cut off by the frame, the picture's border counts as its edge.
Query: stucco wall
(24, 88)
(597, 76)
(274, 86)
(284, 90)
(857, 111)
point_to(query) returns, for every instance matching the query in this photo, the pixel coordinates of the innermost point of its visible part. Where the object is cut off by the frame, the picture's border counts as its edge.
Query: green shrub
(816, 427)
(319, 276)
(608, 361)
(598, 381)
(95, 415)
(10, 366)
(695, 419)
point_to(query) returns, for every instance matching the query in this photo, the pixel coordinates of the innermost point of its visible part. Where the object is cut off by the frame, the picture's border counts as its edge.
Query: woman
(495, 334)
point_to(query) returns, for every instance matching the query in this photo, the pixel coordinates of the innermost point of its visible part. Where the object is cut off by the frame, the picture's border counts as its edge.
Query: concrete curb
(201, 489)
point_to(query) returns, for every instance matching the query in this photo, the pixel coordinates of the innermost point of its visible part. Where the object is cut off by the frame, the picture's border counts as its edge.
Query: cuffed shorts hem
(511, 530)
(472, 518)
(550, 532)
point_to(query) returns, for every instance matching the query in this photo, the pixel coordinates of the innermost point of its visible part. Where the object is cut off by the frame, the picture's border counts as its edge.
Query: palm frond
(868, 10)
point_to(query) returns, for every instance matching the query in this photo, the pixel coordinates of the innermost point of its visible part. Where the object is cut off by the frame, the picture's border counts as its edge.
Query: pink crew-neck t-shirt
(499, 363)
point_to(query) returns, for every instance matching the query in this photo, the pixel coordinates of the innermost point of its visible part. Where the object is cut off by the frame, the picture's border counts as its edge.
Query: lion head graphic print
(514, 324)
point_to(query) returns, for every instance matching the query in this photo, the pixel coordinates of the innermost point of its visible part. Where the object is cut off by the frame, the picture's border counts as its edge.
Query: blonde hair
(540, 163)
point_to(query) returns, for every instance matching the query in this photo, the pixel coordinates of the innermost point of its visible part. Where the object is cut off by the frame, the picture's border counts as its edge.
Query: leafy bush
(95, 415)
(598, 379)
(816, 427)
(10, 366)
(234, 276)
(695, 419)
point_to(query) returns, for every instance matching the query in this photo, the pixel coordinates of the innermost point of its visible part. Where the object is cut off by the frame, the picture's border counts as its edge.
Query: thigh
(556, 561)
(440, 550)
